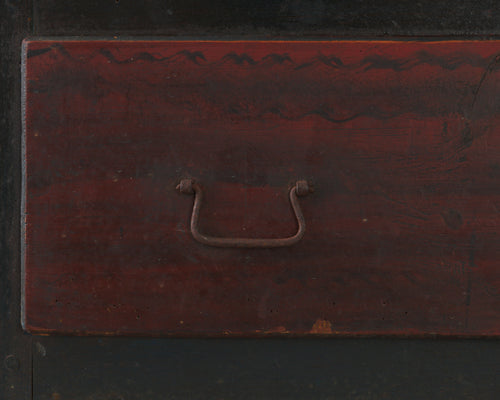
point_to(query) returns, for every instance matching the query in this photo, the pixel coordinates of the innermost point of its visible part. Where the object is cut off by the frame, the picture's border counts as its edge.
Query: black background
(61, 368)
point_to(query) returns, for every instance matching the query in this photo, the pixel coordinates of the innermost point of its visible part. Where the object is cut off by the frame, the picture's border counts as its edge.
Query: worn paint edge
(22, 214)
(327, 331)
(438, 39)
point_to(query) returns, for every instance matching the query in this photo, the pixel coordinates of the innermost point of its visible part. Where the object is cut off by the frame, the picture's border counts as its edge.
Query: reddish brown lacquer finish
(400, 140)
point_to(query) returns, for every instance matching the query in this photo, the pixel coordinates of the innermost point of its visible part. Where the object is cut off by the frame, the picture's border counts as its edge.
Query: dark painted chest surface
(400, 141)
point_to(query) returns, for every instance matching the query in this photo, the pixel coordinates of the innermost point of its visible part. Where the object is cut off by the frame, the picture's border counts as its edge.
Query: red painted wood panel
(401, 141)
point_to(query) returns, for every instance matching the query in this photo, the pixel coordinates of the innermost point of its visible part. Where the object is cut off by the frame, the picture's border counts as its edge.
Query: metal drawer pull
(301, 188)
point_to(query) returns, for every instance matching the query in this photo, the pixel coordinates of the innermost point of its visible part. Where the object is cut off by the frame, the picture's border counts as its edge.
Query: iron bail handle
(301, 188)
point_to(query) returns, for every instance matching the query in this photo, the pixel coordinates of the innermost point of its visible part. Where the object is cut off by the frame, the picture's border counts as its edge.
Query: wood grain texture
(15, 345)
(248, 369)
(400, 140)
(269, 18)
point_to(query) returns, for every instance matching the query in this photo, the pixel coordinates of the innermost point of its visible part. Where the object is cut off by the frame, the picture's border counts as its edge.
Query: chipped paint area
(321, 326)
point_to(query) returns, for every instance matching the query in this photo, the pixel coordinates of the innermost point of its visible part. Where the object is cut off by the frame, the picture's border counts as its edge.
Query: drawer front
(261, 187)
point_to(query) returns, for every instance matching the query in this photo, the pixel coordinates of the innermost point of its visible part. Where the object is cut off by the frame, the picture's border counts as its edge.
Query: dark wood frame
(104, 368)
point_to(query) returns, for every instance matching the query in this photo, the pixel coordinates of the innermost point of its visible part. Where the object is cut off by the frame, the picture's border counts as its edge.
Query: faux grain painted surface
(399, 139)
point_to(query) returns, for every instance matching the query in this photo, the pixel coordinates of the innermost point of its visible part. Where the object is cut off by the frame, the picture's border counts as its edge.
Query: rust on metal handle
(301, 188)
